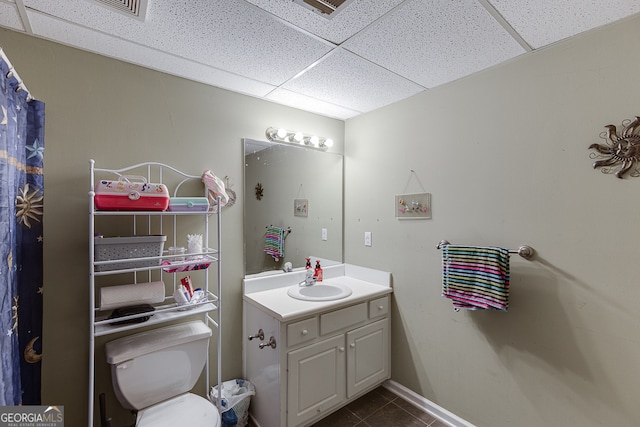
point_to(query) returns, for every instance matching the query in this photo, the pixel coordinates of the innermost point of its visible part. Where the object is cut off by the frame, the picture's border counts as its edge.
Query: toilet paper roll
(123, 295)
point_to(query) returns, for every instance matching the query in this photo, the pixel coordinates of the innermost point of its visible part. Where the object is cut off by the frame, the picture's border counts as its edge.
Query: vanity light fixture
(294, 137)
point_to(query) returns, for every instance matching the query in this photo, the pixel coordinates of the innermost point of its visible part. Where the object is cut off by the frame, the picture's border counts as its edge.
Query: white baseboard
(426, 405)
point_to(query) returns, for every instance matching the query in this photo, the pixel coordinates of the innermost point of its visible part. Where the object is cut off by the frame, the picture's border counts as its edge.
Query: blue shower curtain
(21, 210)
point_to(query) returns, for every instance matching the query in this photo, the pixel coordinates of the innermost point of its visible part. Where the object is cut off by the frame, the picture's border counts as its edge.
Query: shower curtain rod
(13, 73)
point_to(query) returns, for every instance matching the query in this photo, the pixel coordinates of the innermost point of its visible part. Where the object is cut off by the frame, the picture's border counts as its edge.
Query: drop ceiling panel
(307, 103)
(104, 44)
(435, 42)
(545, 22)
(345, 79)
(369, 54)
(354, 17)
(227, 34)
(9, 16)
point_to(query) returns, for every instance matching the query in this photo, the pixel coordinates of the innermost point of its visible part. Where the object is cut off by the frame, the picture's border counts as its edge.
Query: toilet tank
(152, 366)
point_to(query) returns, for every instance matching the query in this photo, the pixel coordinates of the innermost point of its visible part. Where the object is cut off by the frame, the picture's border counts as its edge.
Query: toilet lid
(186, 410)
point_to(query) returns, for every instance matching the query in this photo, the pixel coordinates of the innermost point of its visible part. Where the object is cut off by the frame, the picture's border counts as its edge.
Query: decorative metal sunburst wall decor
(621, 149)
(259, 191)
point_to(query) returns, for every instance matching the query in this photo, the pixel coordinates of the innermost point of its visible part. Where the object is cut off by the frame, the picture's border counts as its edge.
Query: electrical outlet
(324, 234)
(367, 238)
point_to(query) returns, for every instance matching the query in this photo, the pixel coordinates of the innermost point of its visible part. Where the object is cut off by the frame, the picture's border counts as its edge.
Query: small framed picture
(300, 207)
(413, 206)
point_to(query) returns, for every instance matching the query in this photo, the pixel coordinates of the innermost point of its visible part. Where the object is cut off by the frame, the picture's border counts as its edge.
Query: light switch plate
(324, 234)
(413, 206)
(367, 238)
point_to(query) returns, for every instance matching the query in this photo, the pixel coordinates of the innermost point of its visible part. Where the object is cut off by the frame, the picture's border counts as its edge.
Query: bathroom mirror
(294, 188)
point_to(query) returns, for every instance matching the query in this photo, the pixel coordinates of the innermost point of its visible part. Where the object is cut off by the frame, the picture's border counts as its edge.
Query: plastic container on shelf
(188, 204)
(179, 251)
(131, 193)
(114, 248)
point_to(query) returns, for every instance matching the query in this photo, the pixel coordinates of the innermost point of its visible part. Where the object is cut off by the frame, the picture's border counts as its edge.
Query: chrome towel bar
(524, 251)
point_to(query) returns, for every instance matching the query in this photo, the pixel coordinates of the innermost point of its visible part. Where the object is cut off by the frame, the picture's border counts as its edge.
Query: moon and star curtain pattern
(21, 210)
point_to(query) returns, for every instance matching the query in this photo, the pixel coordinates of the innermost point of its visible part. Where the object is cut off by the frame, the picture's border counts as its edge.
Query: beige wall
(120, 114)
(504, 154)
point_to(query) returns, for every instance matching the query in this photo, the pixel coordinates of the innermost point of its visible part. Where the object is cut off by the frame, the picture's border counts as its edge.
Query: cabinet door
(368, 356)
(316, 379)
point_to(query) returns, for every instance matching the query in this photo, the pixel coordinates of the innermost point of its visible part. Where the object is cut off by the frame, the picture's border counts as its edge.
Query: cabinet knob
(341, 349)
(305, 332)
(352, 345)
(380, 307)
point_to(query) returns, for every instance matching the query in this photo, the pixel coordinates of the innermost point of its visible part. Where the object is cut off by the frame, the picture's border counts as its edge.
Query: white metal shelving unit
(167, 311)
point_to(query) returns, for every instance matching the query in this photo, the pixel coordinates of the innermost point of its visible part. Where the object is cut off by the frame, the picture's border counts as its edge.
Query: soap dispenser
(308, 266)
(318, 272)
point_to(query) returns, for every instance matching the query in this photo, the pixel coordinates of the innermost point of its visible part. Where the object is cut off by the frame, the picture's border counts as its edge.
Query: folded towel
(476, 277)
(274, 242)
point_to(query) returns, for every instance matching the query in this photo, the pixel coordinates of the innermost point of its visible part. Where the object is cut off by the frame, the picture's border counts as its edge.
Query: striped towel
(274, 242)
(476, 277)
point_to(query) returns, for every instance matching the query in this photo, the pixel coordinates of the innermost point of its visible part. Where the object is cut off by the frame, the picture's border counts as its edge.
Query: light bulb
(298, 137)
(315, 140)
(328, 142)
(281, 133)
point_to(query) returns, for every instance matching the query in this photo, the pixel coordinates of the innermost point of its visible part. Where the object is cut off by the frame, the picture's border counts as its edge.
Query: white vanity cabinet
(324, 358)
(323, 375)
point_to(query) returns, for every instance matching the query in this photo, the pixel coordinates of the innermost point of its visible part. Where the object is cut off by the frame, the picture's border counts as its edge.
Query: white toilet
(154, 371)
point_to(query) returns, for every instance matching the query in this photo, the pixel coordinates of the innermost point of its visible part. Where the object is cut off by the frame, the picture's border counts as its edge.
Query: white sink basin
(320, 292)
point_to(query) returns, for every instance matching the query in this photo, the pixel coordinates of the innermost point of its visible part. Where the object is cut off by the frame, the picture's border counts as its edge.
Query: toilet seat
(187, 410)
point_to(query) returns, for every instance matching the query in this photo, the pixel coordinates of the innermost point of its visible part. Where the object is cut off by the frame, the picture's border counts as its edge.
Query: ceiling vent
(133, 8)
(326, 8)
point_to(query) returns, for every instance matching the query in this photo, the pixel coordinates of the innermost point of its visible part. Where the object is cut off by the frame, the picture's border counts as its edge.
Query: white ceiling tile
(544, 22)
(104, 44)
(345, 79)
(9, 16)
(226, 34)
(368, 55)
(302, 102)
(348, 21)
(231, 35)
(437, 41)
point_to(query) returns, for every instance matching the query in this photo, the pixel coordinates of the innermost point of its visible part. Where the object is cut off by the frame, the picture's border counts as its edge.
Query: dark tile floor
(379, 408)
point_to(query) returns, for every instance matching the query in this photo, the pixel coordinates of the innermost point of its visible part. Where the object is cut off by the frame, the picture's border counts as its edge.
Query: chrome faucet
(309, 279)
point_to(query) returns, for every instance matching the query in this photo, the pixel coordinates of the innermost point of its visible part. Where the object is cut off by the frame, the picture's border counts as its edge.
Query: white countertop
(269, 293)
